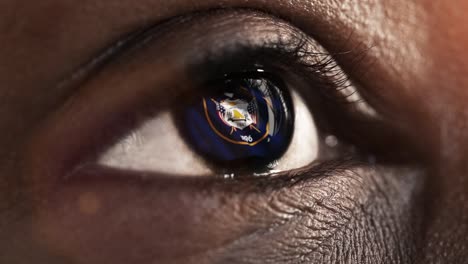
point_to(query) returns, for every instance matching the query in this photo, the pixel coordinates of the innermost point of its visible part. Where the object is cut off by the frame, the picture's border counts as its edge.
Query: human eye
(266, 101)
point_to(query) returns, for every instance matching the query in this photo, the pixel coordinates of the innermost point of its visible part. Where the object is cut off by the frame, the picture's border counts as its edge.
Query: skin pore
(59, 87)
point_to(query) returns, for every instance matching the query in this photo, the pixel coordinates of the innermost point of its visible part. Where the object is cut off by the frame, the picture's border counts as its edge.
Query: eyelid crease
(97, 62)
(141, 36)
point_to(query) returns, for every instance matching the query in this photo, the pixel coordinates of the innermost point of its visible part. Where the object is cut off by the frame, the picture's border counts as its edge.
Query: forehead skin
(418, 53)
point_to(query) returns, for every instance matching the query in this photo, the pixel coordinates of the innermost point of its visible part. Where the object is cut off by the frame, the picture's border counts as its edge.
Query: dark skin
(409, 207)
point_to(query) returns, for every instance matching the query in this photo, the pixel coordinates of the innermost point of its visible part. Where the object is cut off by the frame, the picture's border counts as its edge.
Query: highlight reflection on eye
(249, 123)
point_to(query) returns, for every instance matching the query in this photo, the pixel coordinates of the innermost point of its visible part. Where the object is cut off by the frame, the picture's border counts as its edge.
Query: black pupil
(241, 123)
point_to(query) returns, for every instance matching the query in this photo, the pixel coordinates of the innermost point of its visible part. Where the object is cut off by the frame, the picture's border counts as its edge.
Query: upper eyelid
(140, 36)
(145, 45)
(297, 43)
(130, 40)
(123, 48)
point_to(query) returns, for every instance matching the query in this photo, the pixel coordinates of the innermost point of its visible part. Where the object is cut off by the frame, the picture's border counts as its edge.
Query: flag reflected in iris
(249, 122)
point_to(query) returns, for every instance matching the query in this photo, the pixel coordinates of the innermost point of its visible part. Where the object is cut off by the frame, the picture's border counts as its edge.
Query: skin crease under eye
(156, 144)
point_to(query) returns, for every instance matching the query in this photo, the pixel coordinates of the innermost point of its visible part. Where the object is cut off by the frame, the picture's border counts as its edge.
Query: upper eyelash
(328, 76)
(327, 66)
